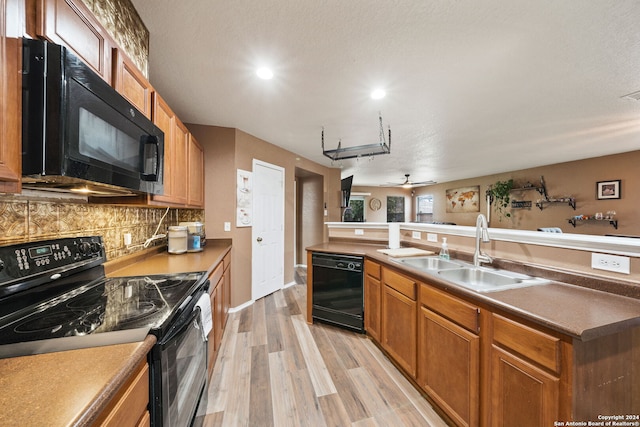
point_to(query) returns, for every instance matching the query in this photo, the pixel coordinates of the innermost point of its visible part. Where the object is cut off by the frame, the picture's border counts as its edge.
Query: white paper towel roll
(394, 235)
(205, 313)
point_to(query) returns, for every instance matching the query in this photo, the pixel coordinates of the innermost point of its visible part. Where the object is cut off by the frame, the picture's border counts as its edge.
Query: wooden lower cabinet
(226, 294)
(372, 299)
(399, 319)
(521, 393)
(525, 375)
(215, 296)
(129, 407)
(449, 367)
(484, 367)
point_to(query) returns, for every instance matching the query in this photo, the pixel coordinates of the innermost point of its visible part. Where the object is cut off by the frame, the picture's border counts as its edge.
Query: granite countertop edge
(570, 316)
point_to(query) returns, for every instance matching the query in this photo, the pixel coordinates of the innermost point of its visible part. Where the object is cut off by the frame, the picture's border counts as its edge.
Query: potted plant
(500, 192)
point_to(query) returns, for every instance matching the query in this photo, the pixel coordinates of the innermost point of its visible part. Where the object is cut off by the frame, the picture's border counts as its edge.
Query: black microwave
(78, 133)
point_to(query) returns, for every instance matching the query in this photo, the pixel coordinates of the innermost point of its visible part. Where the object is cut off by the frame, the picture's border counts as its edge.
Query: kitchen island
(527, 356)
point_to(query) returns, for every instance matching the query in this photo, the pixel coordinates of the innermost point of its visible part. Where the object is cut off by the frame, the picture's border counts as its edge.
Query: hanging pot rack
(367, 150)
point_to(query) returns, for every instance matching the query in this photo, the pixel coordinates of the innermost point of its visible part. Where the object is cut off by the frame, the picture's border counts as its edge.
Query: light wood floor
(275, 370)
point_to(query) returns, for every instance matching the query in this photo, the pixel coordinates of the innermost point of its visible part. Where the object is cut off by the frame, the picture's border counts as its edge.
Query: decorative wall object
(244, 202)
(608, 189)
(465, 199)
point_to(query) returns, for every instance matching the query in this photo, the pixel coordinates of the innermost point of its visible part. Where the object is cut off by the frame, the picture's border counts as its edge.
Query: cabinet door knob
(259, 239)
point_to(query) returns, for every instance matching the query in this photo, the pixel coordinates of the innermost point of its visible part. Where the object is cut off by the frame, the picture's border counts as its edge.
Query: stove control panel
(28, 259)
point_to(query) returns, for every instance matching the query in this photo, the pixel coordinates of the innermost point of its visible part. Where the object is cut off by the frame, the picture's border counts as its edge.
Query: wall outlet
(416, 235)
(359, 232)
(616, 263)
(127, 239)
(227, 226)
(432, 237)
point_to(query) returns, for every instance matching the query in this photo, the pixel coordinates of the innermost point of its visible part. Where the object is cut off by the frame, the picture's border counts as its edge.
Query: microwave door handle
(149, 140)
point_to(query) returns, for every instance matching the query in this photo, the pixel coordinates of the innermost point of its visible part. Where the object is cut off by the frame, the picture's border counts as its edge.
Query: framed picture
(465, 199)
(608, 189)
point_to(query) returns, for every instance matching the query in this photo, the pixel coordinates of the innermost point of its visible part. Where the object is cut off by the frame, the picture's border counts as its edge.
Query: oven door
(179, 374)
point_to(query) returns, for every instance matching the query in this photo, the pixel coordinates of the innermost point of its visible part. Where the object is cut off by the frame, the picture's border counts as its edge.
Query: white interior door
(267, 258)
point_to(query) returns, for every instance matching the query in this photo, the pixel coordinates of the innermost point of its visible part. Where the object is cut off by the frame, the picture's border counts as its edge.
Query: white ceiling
(474, 87)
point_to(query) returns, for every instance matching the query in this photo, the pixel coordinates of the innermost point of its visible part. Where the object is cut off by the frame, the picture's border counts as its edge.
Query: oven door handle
(182, 324)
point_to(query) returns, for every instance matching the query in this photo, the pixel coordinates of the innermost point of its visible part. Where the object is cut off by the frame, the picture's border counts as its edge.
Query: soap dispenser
(444, 250)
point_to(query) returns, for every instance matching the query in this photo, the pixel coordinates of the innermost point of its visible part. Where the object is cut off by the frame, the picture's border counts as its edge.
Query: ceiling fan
(408, 183)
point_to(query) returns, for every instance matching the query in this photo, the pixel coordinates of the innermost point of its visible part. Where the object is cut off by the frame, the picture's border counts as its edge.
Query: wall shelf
(542, 189)
(569, 200)
(613, 222)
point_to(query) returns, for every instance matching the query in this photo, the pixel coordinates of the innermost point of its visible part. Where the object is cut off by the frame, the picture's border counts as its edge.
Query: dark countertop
(576, 311)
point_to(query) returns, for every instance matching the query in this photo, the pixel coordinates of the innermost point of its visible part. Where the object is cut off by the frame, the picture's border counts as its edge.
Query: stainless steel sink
(430, 263)
(486, 280)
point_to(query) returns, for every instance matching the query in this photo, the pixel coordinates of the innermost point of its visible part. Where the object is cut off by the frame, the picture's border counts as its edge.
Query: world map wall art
(465, 199)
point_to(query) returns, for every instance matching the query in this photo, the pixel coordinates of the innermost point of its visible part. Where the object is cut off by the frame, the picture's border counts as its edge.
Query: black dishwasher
(338, 290)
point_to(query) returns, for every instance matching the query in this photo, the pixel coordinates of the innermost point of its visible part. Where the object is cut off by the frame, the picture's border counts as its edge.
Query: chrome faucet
(481, 233)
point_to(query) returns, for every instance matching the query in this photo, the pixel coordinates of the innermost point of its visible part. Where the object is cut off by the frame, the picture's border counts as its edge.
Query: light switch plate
(616, 263)
(359, 232)
(227, 226)
(416, 235)
(432, 237)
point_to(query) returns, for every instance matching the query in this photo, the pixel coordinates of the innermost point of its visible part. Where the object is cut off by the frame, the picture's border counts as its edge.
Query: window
(395, 209)
(424, 205)
(355, 211)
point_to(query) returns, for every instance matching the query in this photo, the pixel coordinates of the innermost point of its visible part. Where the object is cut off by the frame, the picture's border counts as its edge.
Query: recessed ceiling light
(264, 73)
(378, 94)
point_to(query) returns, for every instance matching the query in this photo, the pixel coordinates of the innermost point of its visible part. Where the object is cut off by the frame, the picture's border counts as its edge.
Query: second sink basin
(486, 280)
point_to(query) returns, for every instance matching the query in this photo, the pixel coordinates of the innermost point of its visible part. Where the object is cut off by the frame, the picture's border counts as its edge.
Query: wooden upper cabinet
(129, 81)
(180, 159)
(164, 118)
(71, 24)
(196, 173)
(10, 108)
(176, 154)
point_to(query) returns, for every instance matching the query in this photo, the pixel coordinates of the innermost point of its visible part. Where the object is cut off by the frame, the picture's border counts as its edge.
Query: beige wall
(577, 179)
(227, 150)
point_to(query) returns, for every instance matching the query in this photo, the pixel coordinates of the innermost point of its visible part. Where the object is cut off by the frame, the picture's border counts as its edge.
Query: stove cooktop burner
(110, 304)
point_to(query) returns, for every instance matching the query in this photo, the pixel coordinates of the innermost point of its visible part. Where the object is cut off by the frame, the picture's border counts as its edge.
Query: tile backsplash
(25, 220)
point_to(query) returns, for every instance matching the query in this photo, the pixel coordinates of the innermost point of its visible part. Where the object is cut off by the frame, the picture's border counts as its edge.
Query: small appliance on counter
(195, 236)
(178, 239)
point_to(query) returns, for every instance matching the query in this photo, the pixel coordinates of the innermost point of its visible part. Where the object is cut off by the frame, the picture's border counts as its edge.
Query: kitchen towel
(394, 235)
(205, 313)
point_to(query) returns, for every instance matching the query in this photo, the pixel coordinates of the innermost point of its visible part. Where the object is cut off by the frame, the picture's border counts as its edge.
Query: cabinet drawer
(539, 347)
(400, 283)
(215, 277)
(372, 269)
(459, 311)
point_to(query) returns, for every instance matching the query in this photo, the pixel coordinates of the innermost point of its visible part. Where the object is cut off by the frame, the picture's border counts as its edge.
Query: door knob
(259, 239)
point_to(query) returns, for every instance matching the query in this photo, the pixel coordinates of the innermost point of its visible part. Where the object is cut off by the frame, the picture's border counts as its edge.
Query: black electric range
(54, 296)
